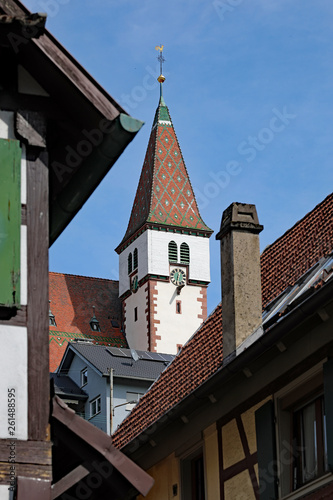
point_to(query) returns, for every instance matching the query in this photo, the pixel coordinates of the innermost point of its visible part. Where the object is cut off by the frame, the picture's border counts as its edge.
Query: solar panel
(116, 351)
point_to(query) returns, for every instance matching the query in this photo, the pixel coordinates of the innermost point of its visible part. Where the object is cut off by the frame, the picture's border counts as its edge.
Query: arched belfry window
(173, 252)
(130, 264)
(184, 253)
(135, 258)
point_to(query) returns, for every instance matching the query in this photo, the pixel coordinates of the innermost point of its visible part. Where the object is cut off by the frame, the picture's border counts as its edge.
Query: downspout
(111, 400)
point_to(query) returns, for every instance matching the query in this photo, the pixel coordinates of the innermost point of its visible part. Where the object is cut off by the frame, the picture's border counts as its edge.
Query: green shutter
(266, 450)
(328, 395)
(10, 222)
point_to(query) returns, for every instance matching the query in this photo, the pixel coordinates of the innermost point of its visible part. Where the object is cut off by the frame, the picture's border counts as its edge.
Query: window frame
(84, 376)
(129, 263)
(98, 402)
(290, 399)
(173, 250)
(184, 252)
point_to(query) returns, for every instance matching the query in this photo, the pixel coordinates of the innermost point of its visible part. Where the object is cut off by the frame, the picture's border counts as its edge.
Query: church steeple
(164, 195)
(164, 255)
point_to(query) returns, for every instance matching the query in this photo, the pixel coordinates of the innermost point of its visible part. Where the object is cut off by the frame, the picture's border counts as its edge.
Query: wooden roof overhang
(86, 130)
(84, 460)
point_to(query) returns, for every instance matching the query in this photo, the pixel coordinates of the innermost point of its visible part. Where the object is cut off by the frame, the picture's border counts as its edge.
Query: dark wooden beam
(68, 481)
(38, 292)
(32, 488)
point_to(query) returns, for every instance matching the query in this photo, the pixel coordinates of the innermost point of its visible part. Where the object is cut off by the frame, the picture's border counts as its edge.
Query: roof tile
(282, 263)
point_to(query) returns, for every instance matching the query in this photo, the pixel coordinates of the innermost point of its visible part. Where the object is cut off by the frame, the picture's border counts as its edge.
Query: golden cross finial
(160, 55)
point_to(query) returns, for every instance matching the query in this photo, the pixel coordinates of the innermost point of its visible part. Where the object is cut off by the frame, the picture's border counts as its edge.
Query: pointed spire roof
(164, 197)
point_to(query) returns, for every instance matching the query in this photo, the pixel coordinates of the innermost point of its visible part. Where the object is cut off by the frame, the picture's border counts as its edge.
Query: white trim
(24, 267)
(4, 491)
(14, 374)
(23, 176)
(7, 125)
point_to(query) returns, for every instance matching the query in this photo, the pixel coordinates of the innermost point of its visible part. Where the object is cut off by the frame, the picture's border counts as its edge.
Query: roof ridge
(84, 277)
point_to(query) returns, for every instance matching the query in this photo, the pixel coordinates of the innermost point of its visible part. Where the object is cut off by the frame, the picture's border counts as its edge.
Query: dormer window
(184, 253)
(52, 321)
(173, 252)
(94, 323)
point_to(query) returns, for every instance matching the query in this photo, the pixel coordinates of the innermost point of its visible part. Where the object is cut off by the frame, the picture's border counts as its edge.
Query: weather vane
(160, 56)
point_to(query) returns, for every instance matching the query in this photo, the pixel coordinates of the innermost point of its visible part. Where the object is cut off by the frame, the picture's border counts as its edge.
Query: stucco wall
(166, 475)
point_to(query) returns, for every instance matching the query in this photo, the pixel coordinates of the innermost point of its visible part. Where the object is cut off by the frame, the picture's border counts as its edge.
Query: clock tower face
(178, 277)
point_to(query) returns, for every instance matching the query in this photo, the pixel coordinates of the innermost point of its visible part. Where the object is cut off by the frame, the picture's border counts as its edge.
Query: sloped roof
(165, 195)
(72, 300)
(74, 104)
(282, 263)
(148, 366)
(65, 386)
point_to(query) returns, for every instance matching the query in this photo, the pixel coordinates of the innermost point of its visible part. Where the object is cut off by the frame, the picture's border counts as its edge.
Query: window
(135, 258)
(193, 477)
(84, 377)
(135, 314)
(95, 406)
(184, 253)
(178, 306)
(173, 252)
(132, 398)
(129, 263)
(309, 442)
(298, 422)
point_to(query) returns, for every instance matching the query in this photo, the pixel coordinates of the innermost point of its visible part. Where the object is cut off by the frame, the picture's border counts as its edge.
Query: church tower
(164, 255)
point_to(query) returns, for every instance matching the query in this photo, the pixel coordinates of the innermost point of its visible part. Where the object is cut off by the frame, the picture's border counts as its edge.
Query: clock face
(177, 277)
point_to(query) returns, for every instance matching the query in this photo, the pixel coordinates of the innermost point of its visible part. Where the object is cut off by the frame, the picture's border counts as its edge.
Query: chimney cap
(240, 217)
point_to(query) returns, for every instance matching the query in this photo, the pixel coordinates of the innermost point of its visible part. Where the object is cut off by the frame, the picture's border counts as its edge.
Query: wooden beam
(68, 481)
(26, 452)
(31, 488)
(38, 293)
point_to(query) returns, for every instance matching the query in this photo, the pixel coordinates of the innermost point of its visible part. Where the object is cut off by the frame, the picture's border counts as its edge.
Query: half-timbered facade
(60, 133)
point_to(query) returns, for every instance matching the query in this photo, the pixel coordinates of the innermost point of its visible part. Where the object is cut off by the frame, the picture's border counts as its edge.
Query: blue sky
(249, 89)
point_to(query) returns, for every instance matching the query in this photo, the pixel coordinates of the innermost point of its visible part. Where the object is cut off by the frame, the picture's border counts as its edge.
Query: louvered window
(135, 258)
(184, 253)
(130, 263)
(173, 252)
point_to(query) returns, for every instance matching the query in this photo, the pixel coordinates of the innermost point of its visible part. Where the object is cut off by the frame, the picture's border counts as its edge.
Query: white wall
(4, 492)
(141, 243)
(13, 355)
(153, 256)
(14, 374)
(176, 328)
(137, 331)
(159, 259)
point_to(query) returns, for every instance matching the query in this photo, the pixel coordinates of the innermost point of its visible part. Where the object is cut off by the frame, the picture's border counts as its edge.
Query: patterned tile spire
(164, 196)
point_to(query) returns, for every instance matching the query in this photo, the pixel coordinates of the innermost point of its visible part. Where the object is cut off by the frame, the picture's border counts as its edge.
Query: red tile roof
(282, 263)
(72, 298)
(164, 195)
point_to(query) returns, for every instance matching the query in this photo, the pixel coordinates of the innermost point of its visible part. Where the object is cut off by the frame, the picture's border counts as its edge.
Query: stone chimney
(241, 283)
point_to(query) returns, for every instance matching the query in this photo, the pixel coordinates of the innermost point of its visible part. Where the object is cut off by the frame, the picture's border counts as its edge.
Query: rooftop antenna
(161, 60)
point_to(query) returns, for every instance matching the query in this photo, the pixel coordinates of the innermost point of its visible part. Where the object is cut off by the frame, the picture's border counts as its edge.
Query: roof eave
(92, 170)
(235, 364)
